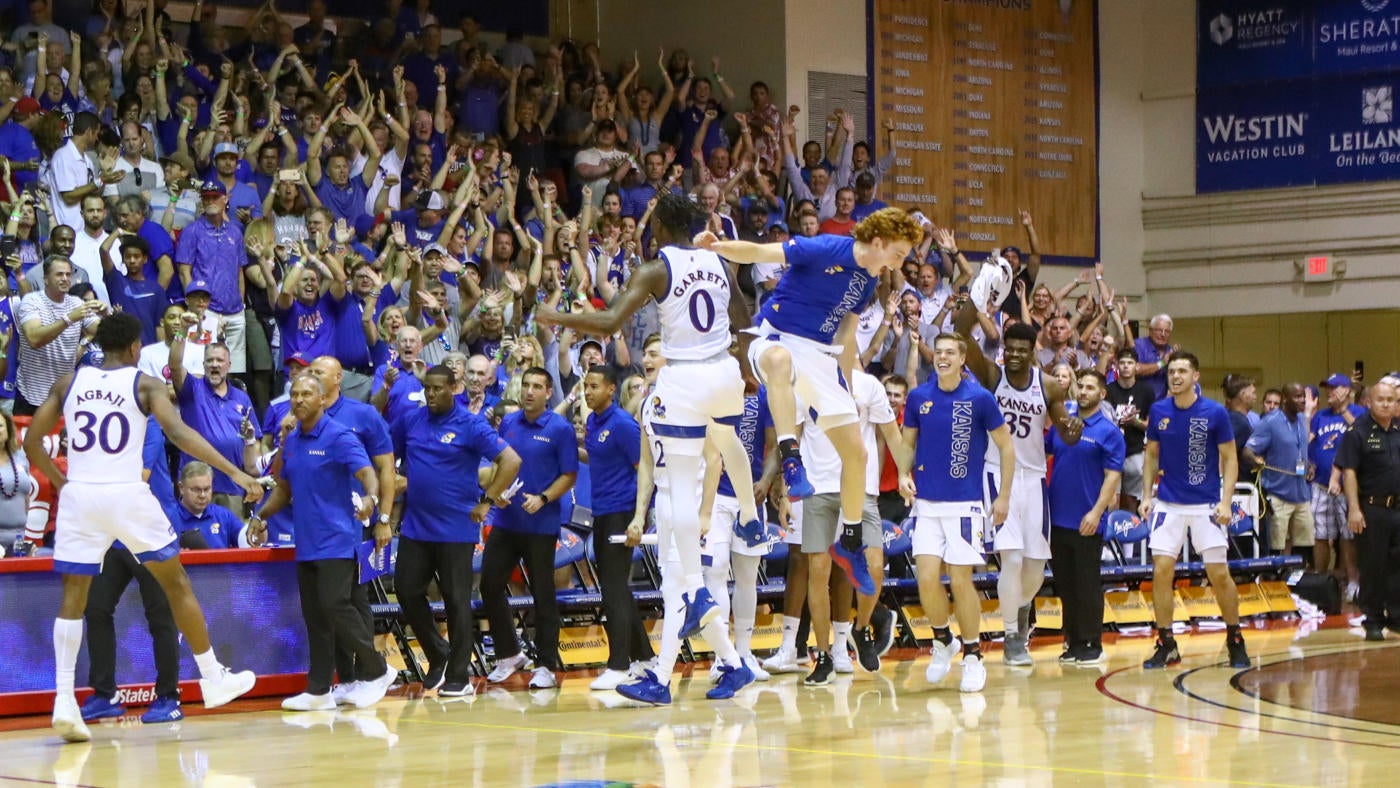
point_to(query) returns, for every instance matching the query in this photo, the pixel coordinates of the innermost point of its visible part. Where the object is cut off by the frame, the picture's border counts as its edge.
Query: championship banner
(1293, 93)
(995, 110)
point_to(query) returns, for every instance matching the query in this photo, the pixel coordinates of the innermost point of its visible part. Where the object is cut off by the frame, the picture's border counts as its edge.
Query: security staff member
(1084, 485)
(119, 568)
(440, 518)
(321, 458)
(373, 433)
(528, 528)
(613, 442)
(1369, 457)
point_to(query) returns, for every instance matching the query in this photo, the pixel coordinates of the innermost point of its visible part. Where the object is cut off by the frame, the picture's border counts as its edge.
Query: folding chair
(1246, 509)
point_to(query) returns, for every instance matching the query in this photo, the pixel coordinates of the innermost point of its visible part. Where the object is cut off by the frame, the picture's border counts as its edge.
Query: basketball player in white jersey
(105, 411)
(653, 685)
(700, 392)
(1028, 401)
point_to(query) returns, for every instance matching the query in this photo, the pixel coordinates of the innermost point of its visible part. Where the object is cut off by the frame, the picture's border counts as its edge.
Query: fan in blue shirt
(195, 510)
(807, 346)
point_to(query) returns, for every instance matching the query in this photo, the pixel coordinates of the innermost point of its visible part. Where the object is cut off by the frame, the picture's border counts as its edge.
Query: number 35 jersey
(1025, 411)
(106, 427)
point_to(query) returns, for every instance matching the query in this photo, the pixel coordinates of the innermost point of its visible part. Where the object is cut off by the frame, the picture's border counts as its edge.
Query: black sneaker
(867, 651)
(434, 676)
(456, 689)
(882, 629)
(1239, 658)
(1070, 655)
(1375, 634)
(821, 670)
(1090, 655)
(1166, 654)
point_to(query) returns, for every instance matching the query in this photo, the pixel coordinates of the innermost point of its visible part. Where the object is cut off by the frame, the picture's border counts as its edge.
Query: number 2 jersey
(1026, 412)
(106, 426)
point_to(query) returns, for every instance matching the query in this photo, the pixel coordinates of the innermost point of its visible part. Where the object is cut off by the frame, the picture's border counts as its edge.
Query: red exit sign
(1318, 268)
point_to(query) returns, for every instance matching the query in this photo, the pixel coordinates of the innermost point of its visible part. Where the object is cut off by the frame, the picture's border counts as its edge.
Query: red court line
(1102, 686)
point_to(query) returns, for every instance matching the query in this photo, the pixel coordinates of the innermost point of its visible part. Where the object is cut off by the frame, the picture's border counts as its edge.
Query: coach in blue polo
(1084, 486)
(442, 447)
(614, 444)
(527, 529)
(321, 461)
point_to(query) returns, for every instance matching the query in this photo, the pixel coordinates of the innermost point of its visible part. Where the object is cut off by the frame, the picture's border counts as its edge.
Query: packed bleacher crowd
(263, 198)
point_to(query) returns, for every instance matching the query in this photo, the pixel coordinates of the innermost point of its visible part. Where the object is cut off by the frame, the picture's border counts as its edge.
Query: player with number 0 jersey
(700, 391)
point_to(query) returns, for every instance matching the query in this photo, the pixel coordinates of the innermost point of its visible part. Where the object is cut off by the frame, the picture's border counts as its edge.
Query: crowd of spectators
(266, 196)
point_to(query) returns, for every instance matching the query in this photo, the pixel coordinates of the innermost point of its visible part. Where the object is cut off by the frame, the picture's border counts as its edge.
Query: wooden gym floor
(1319, 707)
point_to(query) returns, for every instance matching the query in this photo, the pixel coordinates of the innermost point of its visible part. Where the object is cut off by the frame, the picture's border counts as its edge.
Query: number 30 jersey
(1025, 411)
(106, 427)
(695, 311)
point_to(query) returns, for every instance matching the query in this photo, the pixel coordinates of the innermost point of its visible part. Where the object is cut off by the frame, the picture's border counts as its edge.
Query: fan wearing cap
(244, 204)
(210, 251)
(177, 205)
(866, 203)
(1329, 504)
(605, 162)
(342, 194)
(17, 141)
(424, 221)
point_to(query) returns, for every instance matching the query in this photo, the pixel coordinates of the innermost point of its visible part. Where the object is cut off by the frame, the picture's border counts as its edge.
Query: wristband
(250, 441)
(544, 497)
(442, 86)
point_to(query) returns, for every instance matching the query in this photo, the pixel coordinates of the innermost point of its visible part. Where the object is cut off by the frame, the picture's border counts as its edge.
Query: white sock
(790, 624)
(841, 630)
(67, 640)
(208, 664)
(782, 438)
(743, 635)
(669, 651)
(716, 634)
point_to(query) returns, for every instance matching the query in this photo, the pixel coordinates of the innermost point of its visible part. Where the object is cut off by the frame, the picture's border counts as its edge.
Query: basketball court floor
(1319, 707)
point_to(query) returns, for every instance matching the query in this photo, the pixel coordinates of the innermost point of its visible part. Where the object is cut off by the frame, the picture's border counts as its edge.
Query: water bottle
(22, 547)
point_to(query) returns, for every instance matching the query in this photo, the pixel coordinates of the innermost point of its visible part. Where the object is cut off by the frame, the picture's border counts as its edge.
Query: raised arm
(742, 252)
(1033, 260)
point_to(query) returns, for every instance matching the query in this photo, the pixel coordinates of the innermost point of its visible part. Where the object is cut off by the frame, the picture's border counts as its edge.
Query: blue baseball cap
(1337, 381)
(198, 286)
(212, 188)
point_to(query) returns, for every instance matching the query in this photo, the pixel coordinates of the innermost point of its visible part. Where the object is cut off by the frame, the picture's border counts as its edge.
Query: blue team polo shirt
(1283, 445)
(613, 440)
(320, 465)
(1189, 449)
(821, 286)
(953, 436)
(153, 459)
(406, 394)
(548, 449)
(219, 420)
(441, 456)
(279, 526)
(1080, 468)
(369, 427)
(219, 526)
(753, 427)
(308, 330)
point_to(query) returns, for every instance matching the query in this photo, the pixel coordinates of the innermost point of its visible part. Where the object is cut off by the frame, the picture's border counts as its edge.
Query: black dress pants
(327, 589)
(119, 568)
(1074, 560)
(505, 549)
(1378, 558)
(627, 636)
(450, 563)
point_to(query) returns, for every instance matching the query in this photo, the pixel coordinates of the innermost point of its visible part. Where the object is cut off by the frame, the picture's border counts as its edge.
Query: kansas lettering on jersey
(695, 310)
(753, 425)
(953, 426)
(1189, 449)
(106, 428)
(821, 286)
(1025, 412)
